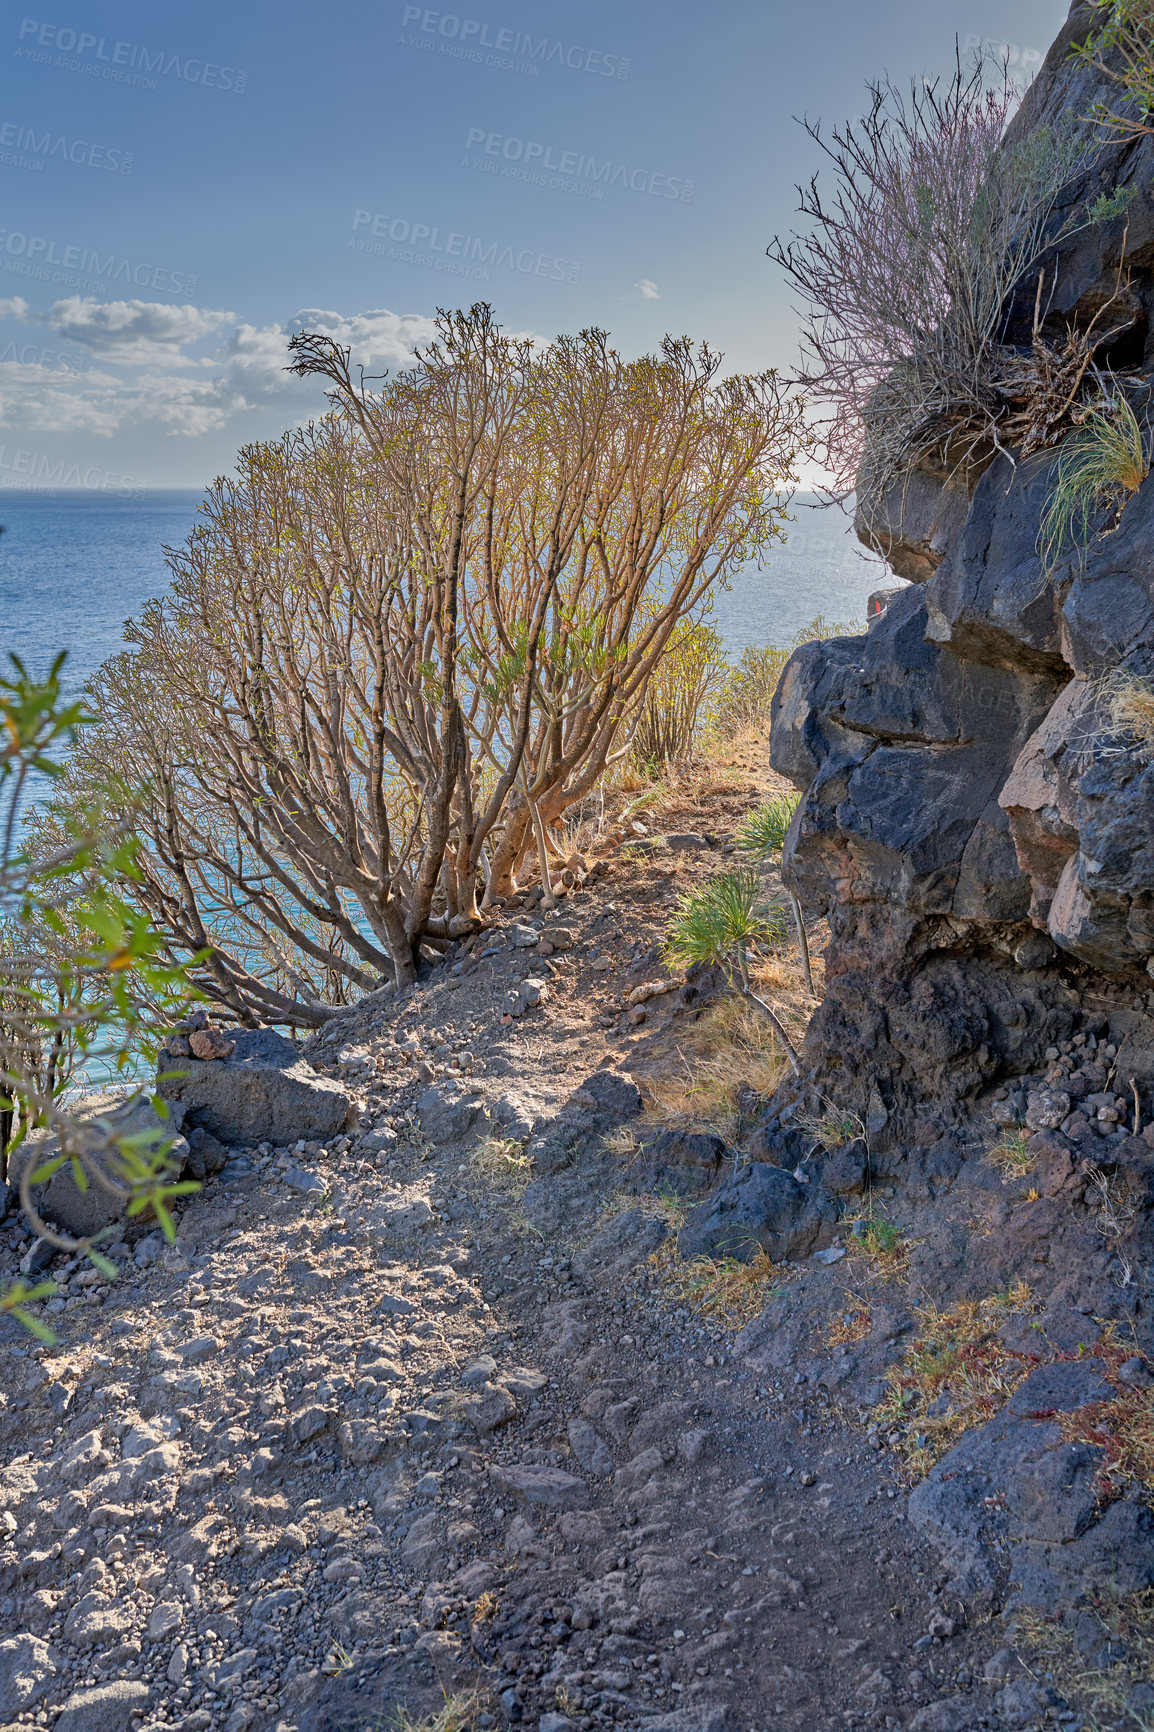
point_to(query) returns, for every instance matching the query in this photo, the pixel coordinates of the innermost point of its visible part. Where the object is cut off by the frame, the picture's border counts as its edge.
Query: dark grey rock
(620, 1245)
(1014, 1487)
(541, 1487)
(206, 1155)
(589, 1448)
(607, 1093)
(106, 1708)
(759, 1208)
(844, 1172)
(448, 1111)
(265, 1092)
(26, 1674)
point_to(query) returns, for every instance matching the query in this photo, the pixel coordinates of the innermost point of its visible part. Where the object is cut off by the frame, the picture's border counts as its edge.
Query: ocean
(74, 566)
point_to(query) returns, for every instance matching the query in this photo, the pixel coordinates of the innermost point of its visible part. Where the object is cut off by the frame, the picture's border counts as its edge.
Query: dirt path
(390, 1421)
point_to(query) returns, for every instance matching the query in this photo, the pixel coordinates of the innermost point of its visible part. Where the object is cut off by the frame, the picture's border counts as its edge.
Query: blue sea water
(75, 565)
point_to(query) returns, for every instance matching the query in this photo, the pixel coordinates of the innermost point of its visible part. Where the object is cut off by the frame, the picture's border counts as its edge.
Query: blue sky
(183, 186)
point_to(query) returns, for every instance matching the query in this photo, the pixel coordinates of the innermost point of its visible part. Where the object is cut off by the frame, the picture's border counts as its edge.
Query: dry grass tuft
(621, 1141)
(959, 1365)
(1013, 1156)
(729, 1049)
(881, 1244)
(502, 1161)
(833, 1127)
(1099, 1694)
(1122, 1427)
(664, 1205)
(1131, 708)
(457, 1715)
(852, 1324)
(724, 1288)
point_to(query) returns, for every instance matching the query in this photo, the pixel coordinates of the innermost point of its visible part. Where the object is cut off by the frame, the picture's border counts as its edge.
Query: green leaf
(46, 1171)
(105, 1264)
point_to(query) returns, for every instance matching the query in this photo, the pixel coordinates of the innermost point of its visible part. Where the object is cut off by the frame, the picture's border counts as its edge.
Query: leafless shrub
(908, 271)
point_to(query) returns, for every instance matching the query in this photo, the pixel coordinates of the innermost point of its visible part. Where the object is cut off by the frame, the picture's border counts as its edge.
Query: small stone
(211, 1043)
(197, 1351)
(523, 937)
(602, 964)
(511, 1705)
(480, 1371)
(165, 1619)
(1046, 1109)
(691, 1445)
(545, 1487)
(590, 1449)
(298, 1179)
(492, 1406)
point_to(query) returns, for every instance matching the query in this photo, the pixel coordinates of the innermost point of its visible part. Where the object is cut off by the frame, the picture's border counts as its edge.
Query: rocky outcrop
(262, 1091)
(979, 835)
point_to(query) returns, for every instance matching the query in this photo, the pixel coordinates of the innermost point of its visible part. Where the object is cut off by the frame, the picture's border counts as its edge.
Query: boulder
(761, 1208)
(449, 1110)
(1014, 1485)
(263, 1092)
(106, 1708)
(26, 1673)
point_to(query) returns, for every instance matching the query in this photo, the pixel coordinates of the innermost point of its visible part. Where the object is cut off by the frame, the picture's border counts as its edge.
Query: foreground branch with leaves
(84, 987)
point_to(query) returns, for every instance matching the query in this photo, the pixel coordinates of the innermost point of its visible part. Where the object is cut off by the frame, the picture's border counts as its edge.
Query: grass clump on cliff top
(1130, 707)
(1100, 465)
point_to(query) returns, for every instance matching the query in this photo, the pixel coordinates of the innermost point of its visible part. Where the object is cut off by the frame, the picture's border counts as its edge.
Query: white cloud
(205, 394)
(16, 308)
(649, 289)
(135, 333)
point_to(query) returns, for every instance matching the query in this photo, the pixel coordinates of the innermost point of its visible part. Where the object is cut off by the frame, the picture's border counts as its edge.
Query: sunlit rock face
(976, 827)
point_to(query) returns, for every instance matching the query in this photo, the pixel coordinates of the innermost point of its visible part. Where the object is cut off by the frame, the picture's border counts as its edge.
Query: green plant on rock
(1100, 465)
(760, 838)
(721, 924)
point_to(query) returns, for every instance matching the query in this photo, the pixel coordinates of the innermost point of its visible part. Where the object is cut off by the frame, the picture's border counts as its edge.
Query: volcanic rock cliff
(980, 838)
